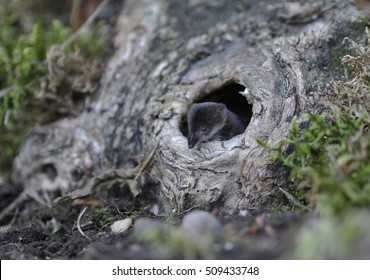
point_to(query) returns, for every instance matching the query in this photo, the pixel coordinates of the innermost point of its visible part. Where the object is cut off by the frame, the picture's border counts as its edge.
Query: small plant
(331, 157)
(23, 64)
(173, 243)
(22, 60)
(332, 237)
(102, 217)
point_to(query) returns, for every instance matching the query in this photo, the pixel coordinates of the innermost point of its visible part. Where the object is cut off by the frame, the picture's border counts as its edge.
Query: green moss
(175, 243)
(331, 157)
(330, 238)
(22, 59)
(22, 64)
(336, 50)
(102, 217)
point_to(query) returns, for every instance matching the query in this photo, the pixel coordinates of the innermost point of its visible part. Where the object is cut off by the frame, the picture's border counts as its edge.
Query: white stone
(121, 225)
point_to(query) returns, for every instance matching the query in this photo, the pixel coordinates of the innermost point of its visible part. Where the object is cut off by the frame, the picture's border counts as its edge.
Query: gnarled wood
(173, 53)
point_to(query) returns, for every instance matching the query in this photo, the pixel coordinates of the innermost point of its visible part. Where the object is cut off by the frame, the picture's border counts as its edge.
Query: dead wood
(265, 59)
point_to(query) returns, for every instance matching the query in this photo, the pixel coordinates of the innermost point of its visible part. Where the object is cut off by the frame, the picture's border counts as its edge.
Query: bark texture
(277, 55)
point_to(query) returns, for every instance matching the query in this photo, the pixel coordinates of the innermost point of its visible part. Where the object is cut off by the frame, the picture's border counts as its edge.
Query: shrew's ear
(221, 108)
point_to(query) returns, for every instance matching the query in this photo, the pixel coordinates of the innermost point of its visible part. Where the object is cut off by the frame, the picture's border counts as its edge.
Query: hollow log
(265, 60)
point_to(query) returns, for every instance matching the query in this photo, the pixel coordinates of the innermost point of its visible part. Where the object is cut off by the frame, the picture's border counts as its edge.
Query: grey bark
(172, 53)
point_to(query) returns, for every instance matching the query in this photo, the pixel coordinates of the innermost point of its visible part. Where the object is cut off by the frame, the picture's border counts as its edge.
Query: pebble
(155, 209)
(121, 225)
(202, 223)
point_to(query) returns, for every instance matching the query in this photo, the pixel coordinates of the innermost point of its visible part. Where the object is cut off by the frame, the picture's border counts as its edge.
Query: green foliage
(175, 243)
(333, 237)
(331, 156)
(22, 58)
(23, 63)
(101, 217)
(91, 42)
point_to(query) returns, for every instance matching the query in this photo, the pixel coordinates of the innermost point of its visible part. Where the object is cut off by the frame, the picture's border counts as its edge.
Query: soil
(35, 231)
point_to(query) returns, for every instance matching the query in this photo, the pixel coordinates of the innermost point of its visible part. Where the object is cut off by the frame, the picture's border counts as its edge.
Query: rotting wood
(172, 53)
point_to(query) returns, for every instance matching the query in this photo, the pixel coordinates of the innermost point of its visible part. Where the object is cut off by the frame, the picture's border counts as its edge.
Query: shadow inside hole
(233, 100)
(50, 171)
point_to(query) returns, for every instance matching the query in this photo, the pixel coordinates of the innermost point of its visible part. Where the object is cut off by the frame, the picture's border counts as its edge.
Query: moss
(22, 59)
(23, 64)
(328, 238)
(337, 50)
(175, 243)
(102, 217)
(331, 157)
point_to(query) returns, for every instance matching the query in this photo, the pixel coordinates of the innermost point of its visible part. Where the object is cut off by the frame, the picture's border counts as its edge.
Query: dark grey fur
(209, 121)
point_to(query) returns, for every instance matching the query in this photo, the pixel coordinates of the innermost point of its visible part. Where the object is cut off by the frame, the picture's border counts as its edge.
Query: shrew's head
(204, 121)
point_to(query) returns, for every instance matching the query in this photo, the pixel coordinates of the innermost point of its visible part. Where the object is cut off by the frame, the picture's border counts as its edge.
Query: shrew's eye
(203, 129)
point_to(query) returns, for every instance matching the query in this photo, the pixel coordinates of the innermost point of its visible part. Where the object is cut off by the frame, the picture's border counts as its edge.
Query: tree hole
(230, 96)
(50, 171)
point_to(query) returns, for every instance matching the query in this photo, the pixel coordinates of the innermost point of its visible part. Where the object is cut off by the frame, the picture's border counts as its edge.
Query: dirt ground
(37, 232)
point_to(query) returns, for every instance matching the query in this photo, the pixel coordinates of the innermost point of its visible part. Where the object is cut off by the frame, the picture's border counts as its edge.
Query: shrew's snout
(192, 141)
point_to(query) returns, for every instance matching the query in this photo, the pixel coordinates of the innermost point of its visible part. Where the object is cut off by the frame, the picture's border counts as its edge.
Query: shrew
(210, 121)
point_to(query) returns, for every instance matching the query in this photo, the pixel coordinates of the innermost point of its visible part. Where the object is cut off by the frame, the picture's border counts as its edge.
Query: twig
(78, 224)
(5, 91)
(20, 198)
(146, 161)
(7, 227)
(293, 200)
(6, 118)
(86, 23)
(191, 209)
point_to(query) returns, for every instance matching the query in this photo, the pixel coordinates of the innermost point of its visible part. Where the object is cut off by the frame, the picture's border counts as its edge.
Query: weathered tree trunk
(271, 56)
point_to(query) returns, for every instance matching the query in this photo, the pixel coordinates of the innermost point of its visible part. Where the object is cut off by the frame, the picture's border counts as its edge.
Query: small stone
(155, 209)
(243, 213)
(121, 226)
(202, 223)
(228, 246)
